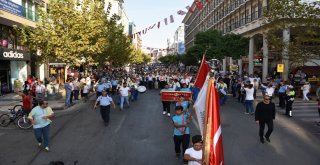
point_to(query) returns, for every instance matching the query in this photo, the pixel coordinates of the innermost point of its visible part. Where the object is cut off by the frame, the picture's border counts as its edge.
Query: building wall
(117, 8)
(237, 16)
(12, 54)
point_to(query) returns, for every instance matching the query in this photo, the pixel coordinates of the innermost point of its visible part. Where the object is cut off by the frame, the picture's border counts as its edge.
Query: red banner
(174, 95)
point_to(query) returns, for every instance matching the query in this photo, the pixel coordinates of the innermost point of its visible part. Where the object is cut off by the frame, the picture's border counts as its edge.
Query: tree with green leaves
(171, 59)
(217, 46)
(73, 30)
(302, 18)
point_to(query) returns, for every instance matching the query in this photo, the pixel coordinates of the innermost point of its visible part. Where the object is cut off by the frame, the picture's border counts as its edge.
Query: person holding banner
(183, 103)
(166, 104)
(181, 131)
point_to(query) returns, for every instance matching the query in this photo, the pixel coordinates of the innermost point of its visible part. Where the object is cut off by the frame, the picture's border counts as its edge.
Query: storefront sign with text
(15, 55)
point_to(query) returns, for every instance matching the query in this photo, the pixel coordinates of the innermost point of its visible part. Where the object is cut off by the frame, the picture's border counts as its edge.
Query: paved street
(141, 135)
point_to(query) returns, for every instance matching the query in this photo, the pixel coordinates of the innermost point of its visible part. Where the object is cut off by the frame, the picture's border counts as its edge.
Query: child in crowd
(194, 154)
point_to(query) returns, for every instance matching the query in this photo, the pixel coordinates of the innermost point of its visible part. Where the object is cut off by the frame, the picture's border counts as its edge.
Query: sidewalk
(9, 100)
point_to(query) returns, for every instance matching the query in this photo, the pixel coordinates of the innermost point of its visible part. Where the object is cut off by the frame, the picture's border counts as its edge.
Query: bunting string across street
(170, 19)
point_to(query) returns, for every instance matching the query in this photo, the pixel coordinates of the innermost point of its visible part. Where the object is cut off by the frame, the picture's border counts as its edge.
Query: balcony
(18, 10)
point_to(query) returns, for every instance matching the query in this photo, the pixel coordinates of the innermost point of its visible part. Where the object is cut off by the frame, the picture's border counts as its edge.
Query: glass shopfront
(13, 67)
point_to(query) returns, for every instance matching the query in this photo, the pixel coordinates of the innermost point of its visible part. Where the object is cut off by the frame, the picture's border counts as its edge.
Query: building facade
(244, 17)
(136, 40)
(117, 8)
(179, 45)
(16, 63)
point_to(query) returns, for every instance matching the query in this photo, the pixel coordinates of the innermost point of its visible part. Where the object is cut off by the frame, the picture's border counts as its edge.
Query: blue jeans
(223, 99)
(68, 95)
(124, 98)
(42, 134)
(249, 106)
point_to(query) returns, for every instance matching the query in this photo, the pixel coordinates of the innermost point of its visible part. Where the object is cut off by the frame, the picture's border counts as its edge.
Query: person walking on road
(194, 154)
(105, 101)
(305, 90)
(282, 94)
(68, 89)
(248, 88)
(181, 131)
(124, 92)
(40, 117)
(265, 114)
(166, 104)
(40, 91)
(290, 99)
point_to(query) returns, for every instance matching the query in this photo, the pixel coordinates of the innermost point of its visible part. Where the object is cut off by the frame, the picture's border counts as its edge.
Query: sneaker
(168, 114)
(262, 140)
(39, 144)
(47, 149)
(246, 113)
(106, 124)
(164, 112)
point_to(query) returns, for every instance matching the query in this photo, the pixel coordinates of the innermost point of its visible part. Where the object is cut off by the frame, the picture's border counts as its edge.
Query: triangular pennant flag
(189, 9)
(166, 21)
(144, 31)
(199, 4)
(171, 19)
(151, 27)
(139, 33)
(158, 24)
(181, 12)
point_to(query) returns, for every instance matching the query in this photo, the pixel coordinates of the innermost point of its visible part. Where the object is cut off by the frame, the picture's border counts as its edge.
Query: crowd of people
(119, 87)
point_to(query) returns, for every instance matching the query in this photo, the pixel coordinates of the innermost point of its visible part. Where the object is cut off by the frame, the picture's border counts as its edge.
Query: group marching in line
(119, 87)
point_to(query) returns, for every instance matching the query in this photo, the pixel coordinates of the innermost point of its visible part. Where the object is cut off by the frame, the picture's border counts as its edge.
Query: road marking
(120, 125)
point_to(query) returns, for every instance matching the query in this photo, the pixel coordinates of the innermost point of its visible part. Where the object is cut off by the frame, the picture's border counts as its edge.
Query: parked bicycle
(17, 116)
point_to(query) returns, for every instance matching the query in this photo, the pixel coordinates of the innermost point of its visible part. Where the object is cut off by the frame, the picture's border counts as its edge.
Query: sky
(145, 13)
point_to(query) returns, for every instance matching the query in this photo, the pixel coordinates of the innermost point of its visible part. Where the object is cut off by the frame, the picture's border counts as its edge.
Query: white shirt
(104, 100)
(270, 91)
(86, 89)
(249, 93)
(306, 88)
(40, 88)
(195, 154)
(124, 91)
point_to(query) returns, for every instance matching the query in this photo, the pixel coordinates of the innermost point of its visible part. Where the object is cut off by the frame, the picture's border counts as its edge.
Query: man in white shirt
(40, 91)
(124, 92)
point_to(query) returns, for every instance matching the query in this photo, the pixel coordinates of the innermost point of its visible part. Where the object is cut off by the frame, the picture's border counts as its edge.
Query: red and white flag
(202, 74)
(213, 146)
(200, 106)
